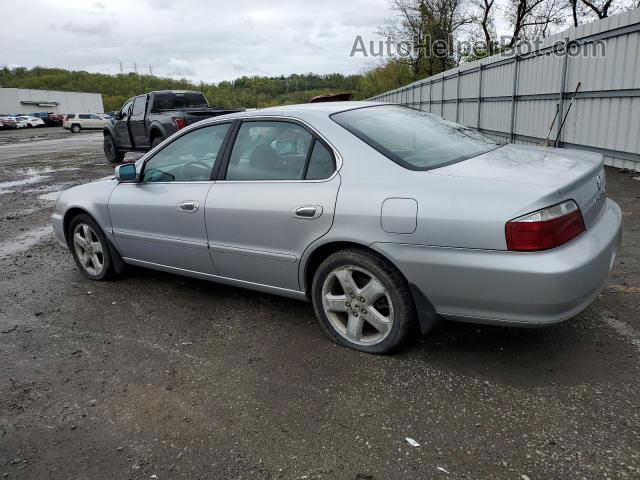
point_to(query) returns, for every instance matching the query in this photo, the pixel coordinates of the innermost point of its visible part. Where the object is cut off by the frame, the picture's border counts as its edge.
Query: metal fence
(514, 97)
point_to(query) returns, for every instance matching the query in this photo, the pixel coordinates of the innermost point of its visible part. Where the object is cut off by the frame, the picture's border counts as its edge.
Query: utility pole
(121, 71)
(135, 67)
(150, 71)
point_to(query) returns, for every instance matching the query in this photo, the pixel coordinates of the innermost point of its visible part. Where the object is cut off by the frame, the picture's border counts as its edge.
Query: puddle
(50, 197)
(25, 241)
(33, 175)
(5, 187)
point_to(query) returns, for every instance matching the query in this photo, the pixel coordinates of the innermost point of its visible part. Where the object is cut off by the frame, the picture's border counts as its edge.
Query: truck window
(138, 106)
(179, 100)
(125, 109)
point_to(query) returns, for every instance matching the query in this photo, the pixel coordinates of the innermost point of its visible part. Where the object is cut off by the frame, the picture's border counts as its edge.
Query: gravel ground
(159, 376)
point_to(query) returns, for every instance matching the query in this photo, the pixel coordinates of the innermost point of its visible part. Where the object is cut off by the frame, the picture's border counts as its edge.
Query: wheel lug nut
(362, 299)
(353, 295)
(355, 314)
(364, 312)
(348, 304)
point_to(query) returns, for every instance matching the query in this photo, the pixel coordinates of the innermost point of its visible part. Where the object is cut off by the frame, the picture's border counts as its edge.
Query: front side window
(125, 110)
(84, 116)
(268, 150)
(190, 158)
(414, 139)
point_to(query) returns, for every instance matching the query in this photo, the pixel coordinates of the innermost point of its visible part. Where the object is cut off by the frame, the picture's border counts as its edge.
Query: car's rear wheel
(75, 128)
(111, 152)
(362, 301)
(157, 141)
(90, 248)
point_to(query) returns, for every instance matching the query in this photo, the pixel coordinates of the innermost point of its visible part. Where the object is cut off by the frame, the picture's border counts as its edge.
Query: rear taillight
(179, 121)
(545, 229)
(66, 118)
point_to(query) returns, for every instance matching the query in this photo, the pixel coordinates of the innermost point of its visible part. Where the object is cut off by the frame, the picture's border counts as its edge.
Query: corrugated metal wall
(515, 97)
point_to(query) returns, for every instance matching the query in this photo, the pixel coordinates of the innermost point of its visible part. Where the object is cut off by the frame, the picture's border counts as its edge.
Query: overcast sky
(200, 40)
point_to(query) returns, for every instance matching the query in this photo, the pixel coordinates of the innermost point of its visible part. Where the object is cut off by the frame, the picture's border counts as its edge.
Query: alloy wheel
(88, 249)
(357, 305)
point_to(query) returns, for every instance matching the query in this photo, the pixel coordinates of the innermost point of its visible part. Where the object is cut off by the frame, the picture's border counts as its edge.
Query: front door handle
(188, 206)
(308, 211)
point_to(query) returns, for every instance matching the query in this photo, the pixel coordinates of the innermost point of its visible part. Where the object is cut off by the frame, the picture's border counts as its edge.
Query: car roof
(302, 110)
(325, 107)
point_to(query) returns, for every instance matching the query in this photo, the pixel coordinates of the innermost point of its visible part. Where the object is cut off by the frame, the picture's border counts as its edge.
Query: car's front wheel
(362, 301)
(90, 248)
(75, 128)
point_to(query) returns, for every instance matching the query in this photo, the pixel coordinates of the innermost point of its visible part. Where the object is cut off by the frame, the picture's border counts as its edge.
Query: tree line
(247, 92)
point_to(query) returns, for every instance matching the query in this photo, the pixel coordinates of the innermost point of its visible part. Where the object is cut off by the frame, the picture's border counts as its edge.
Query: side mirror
(119, 116)
(126, 173)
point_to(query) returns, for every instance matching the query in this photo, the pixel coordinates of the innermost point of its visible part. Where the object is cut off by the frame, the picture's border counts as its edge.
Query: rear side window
(414, 139)
(71, 116)
(84, 116)
(266, 150)
(321, 163)
(138, 106)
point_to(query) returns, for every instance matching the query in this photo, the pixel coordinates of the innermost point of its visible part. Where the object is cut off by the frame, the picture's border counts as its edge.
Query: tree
(423, 31)
(601, 10)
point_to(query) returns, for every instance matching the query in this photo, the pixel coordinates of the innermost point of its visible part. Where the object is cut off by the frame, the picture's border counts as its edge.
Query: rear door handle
(309, 211)
(188, 206)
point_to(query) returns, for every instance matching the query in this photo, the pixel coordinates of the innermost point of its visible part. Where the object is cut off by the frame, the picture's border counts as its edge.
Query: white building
(24, 100)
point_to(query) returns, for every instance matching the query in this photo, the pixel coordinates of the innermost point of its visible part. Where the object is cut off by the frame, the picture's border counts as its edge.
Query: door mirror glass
(119, 116)
(126, 173)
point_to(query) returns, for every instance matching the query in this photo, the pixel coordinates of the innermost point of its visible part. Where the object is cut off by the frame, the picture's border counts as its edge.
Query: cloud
(102, 28)
(179, 67)
(199, 40)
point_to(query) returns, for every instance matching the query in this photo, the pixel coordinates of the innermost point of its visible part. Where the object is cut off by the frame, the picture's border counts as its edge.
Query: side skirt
(298, 295)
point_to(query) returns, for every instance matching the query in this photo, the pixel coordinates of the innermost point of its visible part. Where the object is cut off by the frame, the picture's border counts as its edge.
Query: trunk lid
(570, 174)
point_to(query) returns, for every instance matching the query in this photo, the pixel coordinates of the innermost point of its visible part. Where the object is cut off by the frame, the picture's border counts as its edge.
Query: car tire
(75, 128)
(362, 301)
(90, 248)
(155, 141)
(111, 152)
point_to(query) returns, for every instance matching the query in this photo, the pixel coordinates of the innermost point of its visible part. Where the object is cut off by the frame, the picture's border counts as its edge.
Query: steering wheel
(198, 165)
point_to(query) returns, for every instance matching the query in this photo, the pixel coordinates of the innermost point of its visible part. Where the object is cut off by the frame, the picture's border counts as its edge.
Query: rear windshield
(414, 139)
(173, 100)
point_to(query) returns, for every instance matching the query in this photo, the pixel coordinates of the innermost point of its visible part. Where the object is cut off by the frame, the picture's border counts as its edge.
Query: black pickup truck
(146, 120)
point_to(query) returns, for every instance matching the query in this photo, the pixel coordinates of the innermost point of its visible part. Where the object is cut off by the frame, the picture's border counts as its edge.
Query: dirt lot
(158, 376)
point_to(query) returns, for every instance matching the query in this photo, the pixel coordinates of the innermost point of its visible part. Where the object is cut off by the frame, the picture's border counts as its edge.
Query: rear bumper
(499, 287)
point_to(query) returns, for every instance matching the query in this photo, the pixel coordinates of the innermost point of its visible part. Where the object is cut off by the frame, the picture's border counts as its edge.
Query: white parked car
(87, 121)
(24, 121)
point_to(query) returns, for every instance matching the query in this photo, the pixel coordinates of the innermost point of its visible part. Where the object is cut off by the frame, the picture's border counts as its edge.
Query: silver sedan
(386, 218)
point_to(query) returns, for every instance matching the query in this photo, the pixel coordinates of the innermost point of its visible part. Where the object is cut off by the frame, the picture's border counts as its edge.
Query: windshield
(175, 100)
(414, 139)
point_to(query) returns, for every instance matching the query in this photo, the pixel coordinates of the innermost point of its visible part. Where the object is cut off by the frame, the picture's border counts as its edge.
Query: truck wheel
(75, 128)
(111, 152)
(157, 141)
